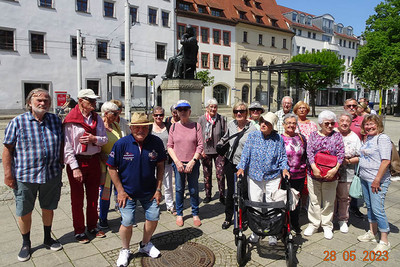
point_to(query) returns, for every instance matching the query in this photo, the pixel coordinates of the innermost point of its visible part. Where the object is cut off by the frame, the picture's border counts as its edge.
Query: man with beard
(32, 162)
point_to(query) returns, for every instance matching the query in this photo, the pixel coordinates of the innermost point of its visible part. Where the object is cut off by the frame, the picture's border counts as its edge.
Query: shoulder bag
(325, 162)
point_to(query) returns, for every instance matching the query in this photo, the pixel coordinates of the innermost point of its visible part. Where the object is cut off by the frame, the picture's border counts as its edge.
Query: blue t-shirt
(136, 167)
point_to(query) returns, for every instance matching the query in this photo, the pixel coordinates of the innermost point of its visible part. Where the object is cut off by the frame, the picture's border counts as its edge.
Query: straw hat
(139, 119)
(271, 118)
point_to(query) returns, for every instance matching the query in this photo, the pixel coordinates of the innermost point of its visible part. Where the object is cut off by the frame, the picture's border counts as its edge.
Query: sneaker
(254, 238)
(53, 245)
(328, 234)
(207, 200)
(343, 227)
(98, 233)
(310, 230)
(272, 241)
(82, 238)
(25, 253)
(382, 246)
(149, 249)
(123, 258)
(368, 237)
(103, 224)
(357, 212)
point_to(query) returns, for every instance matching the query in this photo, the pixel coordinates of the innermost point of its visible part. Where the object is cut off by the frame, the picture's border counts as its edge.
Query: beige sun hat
(89, 93)
(139, 119)
(271, 118)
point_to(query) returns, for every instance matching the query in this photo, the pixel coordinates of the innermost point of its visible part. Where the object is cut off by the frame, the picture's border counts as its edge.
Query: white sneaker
(310, 230)
(382, 246)
(368, 237)
(343, 227)
(254, 238)
(123, 258)
(150, 250)
(272, 241)
(328, 234)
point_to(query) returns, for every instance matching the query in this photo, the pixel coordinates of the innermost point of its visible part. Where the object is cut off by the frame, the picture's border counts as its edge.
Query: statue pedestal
(178, 89)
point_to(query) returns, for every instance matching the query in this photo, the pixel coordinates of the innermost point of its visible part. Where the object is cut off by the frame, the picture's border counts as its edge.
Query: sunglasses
(351, 106)
(182, 109)
(115, 113)
(255, 110)
(158, 115)
(241, 111)
(329, 123)
(89, 99)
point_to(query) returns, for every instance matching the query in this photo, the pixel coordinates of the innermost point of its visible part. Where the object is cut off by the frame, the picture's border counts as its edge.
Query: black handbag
(223, 147)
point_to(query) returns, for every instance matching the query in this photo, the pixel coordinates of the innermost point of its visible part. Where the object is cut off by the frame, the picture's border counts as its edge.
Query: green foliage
(205, 77)
(328, 76)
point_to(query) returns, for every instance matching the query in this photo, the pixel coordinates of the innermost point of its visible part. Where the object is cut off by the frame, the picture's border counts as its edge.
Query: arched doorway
(245, 93)
(220, 93)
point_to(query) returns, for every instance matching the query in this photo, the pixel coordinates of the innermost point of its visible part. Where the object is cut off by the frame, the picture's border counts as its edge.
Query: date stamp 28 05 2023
(368, 255)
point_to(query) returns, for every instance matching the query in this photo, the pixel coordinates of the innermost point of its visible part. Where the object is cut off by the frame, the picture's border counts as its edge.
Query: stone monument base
(177, 89)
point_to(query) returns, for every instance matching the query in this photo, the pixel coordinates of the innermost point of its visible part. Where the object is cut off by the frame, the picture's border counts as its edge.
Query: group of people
(139, 159)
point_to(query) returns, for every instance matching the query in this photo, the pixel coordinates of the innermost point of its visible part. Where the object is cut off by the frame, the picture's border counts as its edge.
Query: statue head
(190, 31)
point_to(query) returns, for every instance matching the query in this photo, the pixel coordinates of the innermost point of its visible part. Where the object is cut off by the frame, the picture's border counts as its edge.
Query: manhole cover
(189, 254)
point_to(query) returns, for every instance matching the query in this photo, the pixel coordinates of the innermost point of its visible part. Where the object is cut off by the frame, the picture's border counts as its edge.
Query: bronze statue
(183, 65)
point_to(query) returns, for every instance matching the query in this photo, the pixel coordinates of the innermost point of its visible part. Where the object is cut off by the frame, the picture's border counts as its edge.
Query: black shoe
(103, 224)
(207, 200)
(226, 224)
(357, 212)
(297, 230)
(25, 253)
(53, 245)
(222, 200)
(82, 238)
(245, 225)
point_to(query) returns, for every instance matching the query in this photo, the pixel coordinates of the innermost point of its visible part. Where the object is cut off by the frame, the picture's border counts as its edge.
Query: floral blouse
(306, 128)
(296, 154)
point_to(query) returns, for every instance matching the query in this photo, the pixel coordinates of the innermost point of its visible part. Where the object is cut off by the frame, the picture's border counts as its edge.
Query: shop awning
(350, 89)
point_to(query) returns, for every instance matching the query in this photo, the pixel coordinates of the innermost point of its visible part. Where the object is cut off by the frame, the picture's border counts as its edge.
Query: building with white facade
(38, 46)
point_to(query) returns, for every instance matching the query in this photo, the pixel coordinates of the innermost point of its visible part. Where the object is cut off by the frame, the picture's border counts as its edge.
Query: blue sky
(348, 12)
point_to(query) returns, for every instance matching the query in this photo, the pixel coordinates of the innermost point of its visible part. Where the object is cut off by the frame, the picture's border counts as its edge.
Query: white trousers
(258, 188)
(168, 186)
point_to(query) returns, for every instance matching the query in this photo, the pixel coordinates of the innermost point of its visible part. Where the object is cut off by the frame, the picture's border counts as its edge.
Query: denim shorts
(151, 209)
(26, 193)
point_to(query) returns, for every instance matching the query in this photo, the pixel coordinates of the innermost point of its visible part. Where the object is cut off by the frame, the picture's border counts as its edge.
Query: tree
(326, 77)
(205, 77)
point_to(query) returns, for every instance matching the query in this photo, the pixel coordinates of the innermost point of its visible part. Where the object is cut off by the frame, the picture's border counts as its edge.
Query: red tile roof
(215, 4)
(346, 36)
(288, 9)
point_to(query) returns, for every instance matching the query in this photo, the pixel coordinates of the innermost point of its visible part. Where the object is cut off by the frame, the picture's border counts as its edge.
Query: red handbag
(325, 162)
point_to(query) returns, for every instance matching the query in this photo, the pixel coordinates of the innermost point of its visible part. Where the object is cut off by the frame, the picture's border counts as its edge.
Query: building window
(298, 50)
(215, 12)
(184, 6)
(161, 51)
(339, 29)
(273, 41)
(109, 9)
(344, 43)
(349, 31)
(326, 38)
(244, 37)
(122, 51)
(152, 16)
(181, 30)
(6, 39)
(258, 5)
(226, 62)
(349, 44)
(242, 15)
(37, 43)
(308, 20)
(309, 34)
(102, 49)
(204, 35)
(201, 9)
(216, 60)
(133, 12)
(354, 44)
(259, 19)
(243, 64)
(303, 50)
(217, 36)
(340, 42)
(122, 89)
(204, 60)
(348, 61)
(259, 62)
(226, 38)
(165, 18)
(294, 17)
(94, 85)
(314, 35)
(247, 3)
(46, 3)
(302, 16)
(284, 44)
(313, 50)
(274, 22)
(74, 46)
(82, 5)
(299, 32)
(327, 26)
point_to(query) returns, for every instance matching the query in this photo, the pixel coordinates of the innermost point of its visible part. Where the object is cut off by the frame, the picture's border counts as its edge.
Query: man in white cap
(132, 164)
(84, 135)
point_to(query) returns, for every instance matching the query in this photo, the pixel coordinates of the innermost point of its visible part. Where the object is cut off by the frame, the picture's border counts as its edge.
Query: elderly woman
(185, 145)
(347, 170)
(232, 157)
(110, 114)
(363, 109)
(322, 189)
(159, 129)
(172, 119)
(214, 127)
(375, 156)
(304, 125)
(264, 158)
(123, 123)
(295, 145)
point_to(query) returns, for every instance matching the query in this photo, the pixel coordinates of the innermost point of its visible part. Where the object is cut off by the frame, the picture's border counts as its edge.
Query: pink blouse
(306, 128)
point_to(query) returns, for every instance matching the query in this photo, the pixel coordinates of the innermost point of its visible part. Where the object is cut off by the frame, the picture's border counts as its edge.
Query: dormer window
(308, 20)
(340, 29)
(302, 16)
(294, 17)
(242, 15)
(201, 9)
(247, 3)
(259, 19)
(274, 22)
(184, 6)
(216, 12)
(349, 31)
(258, 5)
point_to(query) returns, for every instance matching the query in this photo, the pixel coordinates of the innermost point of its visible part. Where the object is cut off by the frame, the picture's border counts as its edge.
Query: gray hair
(108, 106)
(289, 116)
(287, 97)
(326, 115)
(212, 101)
(173, 107)
(159, 108)
(33, 94)
(347, 115)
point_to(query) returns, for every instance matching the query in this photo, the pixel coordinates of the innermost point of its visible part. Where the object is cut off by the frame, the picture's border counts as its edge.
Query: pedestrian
(214, 127)
(122, 122)
(85, 134)
(132, 165)
(32, 162)
(69, 104)
(256, 110)
(185, 145)
(287, 103)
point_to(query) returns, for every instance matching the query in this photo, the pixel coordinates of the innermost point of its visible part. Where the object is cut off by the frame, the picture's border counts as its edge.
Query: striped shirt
(36, 156)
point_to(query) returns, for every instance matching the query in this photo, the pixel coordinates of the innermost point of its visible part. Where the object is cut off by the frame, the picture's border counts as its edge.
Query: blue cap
(183, 104)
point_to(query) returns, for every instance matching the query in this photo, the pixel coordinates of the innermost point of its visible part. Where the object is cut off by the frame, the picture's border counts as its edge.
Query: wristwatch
(195, 160)
(158, 189)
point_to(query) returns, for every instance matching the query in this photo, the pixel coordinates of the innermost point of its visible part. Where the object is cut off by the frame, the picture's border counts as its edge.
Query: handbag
(325, 162)
(355, 190)
(223, 145)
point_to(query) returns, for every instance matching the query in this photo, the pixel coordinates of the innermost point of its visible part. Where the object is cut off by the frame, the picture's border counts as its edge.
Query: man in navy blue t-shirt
(132, 166)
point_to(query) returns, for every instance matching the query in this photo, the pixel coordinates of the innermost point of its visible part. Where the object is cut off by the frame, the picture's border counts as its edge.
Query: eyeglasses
(255, 110)
(91, 100)
(290, 123)
(115, 113)
(351, 106)
(182, 109)
(241, 111)
(158, 115)
(329, 123)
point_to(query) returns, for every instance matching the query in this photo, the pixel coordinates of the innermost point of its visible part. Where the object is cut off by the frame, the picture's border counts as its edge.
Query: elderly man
(287, 103)
(84, 135)
(32, 162)
(255, 113)
(131, 165)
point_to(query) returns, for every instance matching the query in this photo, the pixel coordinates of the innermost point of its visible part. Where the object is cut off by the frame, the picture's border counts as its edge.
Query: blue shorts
(151, 209)
(26, 193)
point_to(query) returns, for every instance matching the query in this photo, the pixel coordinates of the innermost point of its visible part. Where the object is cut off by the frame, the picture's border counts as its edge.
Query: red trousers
(90, 168)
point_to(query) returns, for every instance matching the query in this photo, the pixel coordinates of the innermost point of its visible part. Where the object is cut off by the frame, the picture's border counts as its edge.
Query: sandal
(171, 211)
